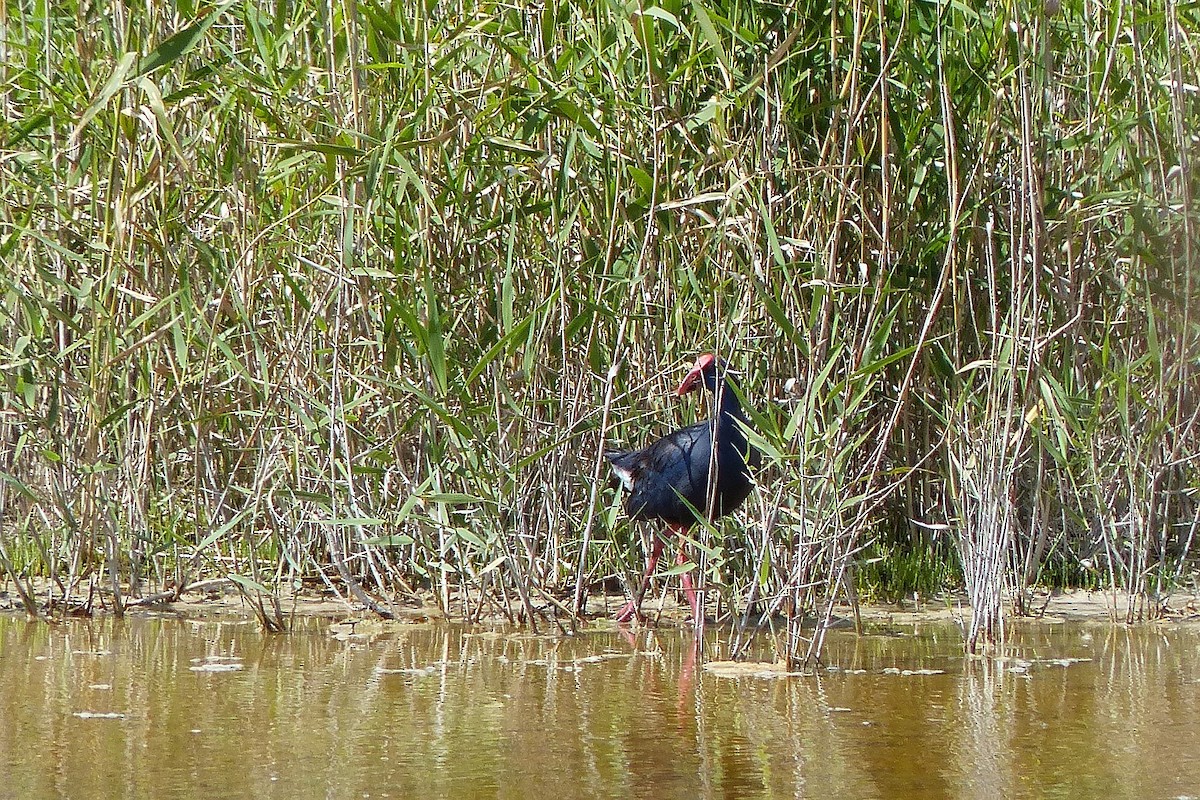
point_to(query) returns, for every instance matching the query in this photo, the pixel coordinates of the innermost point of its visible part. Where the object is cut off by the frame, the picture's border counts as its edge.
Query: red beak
(690, 381)
(695, 376)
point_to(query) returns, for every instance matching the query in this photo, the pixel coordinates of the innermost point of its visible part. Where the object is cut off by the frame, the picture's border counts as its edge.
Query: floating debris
(363, 630)
(215, 667)
(216, 664)
(602, 657)
(1060, 662)
(99, 715)
(905, 673)
(418, 672)
(577, 664)
(751, 669)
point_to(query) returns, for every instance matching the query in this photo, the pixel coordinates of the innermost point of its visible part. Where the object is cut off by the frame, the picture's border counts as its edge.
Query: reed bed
(353, 295)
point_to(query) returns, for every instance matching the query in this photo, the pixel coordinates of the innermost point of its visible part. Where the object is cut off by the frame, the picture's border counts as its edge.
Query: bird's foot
(628, 612)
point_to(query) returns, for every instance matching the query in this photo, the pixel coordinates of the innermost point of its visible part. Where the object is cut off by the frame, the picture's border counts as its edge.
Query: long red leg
(689, 587)
(634, 607)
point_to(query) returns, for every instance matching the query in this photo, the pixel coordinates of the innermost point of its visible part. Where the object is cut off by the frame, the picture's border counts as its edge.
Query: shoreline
(220, 598)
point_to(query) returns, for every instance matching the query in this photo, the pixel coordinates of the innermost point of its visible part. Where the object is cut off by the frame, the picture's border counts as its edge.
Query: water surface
(163, 708)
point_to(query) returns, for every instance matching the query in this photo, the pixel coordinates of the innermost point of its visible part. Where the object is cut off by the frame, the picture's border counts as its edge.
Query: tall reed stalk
(352, 296)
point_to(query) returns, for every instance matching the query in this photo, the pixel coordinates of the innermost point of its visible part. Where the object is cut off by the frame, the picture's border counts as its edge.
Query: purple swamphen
(682, 477)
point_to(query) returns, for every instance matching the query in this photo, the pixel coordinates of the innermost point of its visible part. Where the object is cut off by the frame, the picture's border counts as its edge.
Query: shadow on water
(162, 708)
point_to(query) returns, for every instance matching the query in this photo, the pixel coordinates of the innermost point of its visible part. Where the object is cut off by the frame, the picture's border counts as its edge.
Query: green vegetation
(353, 292)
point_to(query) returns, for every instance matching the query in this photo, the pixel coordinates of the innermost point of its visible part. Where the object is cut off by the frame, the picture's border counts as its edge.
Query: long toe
(628, 612)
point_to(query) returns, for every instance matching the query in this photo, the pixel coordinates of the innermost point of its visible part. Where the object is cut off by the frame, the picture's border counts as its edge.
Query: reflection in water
(161, 708)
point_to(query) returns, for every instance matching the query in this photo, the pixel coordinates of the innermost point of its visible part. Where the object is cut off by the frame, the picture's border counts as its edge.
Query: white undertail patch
(625, 476)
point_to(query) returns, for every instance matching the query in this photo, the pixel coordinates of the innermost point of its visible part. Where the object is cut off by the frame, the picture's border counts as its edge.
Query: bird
(682, 478)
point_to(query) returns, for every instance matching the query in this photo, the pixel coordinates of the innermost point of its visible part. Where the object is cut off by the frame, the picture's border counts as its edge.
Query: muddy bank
(222, 598)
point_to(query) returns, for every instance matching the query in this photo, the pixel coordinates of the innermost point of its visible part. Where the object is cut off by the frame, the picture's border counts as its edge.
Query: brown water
(158, 708)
